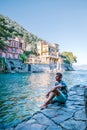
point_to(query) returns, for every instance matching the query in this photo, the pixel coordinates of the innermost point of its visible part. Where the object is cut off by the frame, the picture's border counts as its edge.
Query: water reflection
(22, 94)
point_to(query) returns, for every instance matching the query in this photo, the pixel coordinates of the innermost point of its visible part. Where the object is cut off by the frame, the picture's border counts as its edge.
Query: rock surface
(67, 67)
(69, 116)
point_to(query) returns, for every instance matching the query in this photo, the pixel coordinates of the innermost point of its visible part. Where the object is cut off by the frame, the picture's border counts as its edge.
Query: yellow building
(48, 53)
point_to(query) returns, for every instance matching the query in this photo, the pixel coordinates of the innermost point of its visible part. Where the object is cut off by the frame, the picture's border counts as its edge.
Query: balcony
(50, 56)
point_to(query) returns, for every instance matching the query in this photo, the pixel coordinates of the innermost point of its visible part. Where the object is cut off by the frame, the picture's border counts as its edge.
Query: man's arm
(56, 87)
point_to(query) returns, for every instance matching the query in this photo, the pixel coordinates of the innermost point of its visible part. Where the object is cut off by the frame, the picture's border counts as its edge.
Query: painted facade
(47, 54)
(14, 48)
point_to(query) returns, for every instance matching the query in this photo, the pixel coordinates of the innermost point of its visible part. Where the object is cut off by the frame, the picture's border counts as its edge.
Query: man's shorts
(60, 98)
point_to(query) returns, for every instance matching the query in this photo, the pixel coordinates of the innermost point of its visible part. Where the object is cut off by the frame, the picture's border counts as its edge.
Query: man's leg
(52, 95)
(61, 98)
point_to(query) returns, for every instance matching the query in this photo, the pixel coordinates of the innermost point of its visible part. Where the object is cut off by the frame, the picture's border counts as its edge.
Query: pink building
(14, 48)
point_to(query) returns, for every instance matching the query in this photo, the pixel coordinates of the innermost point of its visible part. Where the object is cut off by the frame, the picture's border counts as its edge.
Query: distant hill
(80, 67)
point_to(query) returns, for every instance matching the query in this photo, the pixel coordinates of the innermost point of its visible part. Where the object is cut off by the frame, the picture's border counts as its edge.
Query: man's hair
(59, 74)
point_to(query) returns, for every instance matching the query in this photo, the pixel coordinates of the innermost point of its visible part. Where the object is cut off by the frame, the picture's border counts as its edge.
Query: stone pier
(69, 116)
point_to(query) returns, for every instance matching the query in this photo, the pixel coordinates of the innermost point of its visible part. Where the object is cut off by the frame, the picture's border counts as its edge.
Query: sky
(56, 21)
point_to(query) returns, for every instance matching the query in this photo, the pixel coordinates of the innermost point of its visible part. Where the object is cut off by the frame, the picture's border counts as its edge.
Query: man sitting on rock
(58, 93)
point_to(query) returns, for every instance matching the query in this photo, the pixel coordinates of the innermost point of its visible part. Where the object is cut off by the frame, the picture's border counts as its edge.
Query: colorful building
(48, 53)
(14, 47)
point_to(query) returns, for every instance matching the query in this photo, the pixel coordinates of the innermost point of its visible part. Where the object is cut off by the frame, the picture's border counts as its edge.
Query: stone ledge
(69, 116)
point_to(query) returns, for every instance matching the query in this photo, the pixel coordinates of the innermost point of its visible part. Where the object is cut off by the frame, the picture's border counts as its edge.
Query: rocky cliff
(67, 67)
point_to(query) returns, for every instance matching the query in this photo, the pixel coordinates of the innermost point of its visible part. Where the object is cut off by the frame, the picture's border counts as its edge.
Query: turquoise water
(22, 94)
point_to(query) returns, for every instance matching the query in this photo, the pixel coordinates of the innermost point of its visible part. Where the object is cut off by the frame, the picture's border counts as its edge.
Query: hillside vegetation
(10, 29)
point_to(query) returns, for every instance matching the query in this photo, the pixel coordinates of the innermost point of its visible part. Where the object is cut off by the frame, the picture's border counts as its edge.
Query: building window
(9, 49)
(15, 44)
(20, 45)
(13, 50)
(12, 43)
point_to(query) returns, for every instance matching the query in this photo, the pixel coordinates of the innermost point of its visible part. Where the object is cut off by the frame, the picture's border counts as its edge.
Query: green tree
(68, 57)
(3, 45)
(34, 48)
(3, 34)
(2, 64)
(22, 57)
(26, 39)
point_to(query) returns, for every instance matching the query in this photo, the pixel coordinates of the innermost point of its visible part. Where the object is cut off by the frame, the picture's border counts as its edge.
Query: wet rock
(51, 112)
(32, 127)
(62, 116)
(42, 119)
(54, 128)
(80, 115)
(73, 125)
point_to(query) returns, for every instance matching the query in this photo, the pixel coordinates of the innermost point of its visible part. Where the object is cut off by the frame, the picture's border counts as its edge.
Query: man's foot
(43, 107)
